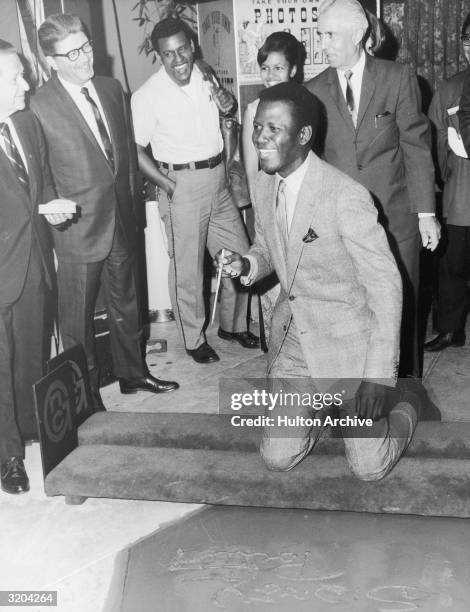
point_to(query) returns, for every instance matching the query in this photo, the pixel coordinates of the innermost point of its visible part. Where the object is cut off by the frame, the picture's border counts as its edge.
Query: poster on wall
(256, 19)
(217, 40)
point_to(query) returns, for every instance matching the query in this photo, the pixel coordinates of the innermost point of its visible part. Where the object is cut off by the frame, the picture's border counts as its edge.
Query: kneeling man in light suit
(339, 310)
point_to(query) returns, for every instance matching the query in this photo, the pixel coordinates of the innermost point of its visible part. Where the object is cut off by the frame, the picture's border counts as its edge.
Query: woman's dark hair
(292, 49)
(375, 36)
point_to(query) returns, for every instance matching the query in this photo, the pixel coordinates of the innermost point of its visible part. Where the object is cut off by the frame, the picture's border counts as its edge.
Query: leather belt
(212, 162)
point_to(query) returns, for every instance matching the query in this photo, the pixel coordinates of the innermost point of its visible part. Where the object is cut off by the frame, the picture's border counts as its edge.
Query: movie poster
(217, 37)
(256, 19)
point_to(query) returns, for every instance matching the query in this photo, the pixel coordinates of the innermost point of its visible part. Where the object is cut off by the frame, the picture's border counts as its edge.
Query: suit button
(291, 298)
(284, 328)
(359, 167)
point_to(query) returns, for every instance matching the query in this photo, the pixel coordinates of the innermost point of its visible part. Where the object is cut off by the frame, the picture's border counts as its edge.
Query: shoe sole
(132, 391)
(14, 492)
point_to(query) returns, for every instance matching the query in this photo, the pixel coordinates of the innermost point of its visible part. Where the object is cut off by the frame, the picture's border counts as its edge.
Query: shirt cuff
(249, 278)
(427, 214)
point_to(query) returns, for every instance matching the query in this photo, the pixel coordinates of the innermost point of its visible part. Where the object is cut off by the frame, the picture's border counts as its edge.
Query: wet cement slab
(244, 559)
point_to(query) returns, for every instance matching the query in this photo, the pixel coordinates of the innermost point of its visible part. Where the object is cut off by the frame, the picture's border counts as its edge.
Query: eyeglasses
(74, 53)
(465, 40)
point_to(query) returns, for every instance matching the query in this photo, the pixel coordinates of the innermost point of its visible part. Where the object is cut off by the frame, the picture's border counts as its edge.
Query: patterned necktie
(281, 211)
(14, 156)
(350, 96)
(101, 126)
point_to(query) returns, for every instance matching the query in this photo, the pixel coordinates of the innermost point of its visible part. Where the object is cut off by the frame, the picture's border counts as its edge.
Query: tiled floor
(75, 549)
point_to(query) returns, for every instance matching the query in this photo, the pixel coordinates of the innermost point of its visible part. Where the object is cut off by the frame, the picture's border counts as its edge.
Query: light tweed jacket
(340, 281)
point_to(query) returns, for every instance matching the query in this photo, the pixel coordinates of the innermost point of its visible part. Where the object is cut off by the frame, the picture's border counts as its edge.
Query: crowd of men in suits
(343, 233)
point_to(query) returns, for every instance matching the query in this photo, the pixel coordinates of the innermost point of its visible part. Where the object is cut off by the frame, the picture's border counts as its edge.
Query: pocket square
(310, 236)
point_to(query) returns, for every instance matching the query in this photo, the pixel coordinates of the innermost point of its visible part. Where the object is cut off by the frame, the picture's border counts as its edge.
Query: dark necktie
(14, 156)
(349, 95)
(108, 147)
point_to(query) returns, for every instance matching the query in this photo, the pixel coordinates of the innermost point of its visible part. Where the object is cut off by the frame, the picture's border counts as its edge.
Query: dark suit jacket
(455, 170)
(389, 150)
(21, 227)
(82, 173)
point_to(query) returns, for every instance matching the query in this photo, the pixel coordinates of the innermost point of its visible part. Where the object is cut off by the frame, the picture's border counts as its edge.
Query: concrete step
(215, 432)
(423, 486)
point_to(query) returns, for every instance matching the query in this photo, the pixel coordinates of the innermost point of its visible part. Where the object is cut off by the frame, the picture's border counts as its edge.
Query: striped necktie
(350, 96)
(108, 147)
(14, 156)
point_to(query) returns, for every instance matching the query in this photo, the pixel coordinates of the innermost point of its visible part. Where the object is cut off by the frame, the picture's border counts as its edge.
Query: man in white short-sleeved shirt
(176, 112)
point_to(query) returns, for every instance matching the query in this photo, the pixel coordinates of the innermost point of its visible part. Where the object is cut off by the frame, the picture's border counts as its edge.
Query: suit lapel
(8, 171)
(31, 154)
(111, 112)
(369, 78)
(76, 115)
(309, 201)
(338, 98)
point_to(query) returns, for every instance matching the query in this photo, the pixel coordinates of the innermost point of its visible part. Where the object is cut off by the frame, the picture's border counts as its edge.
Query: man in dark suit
(25, 267)
(450, 103)
(88, 131)
(377, 134)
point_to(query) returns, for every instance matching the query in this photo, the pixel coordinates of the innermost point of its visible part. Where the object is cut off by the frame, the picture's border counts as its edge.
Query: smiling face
(276, 69)
(177, 55)
(340, 40)
(12, 84)
(81, 70)
(281, 144)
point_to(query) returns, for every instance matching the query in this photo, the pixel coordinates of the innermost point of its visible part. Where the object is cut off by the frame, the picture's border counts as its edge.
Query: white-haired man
(377, 134)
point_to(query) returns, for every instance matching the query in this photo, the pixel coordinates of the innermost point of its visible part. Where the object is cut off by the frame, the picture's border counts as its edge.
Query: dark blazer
(455, 170)
(82, 173)
(388, 151)
(21, 226)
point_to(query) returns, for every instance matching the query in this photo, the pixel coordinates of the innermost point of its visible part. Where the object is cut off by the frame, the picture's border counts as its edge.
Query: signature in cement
(248, 577)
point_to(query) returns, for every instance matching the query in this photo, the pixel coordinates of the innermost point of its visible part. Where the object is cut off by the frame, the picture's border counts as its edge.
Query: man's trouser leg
(226, 229)
(186, 219)
(283, 446)
(21, 362)
(453, 290)
(122, 304)
(78, 286)
(410, 351)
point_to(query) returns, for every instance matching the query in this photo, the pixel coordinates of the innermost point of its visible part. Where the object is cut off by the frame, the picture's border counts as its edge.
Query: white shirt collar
(294, 180)
(74, 88)
(357, 69)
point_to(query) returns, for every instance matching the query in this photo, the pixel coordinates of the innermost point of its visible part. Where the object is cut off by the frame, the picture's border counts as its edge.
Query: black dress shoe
(14, 477)
(246, 338)
(146, 383)
(204, 354)
(443, 340)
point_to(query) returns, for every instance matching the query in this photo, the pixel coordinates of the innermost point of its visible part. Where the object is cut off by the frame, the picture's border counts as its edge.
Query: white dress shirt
(293, 184)
(180, 123)
(355, 81)
(85, 108)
